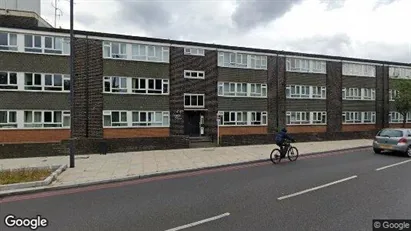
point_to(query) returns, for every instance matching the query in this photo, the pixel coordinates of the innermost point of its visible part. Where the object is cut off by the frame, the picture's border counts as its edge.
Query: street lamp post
(72, 77)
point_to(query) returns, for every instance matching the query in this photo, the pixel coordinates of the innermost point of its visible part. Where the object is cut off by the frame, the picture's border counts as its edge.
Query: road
(291, 196)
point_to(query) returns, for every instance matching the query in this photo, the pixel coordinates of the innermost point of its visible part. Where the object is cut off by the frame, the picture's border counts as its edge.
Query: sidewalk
(95, 168)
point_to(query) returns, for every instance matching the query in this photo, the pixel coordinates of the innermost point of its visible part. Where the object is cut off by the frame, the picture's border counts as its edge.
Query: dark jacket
(281, 136)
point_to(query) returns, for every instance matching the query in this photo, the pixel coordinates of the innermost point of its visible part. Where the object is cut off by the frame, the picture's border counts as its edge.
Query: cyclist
(280, 139)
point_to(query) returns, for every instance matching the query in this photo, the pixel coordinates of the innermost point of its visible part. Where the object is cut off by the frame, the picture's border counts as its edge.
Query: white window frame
(165, 86)
(242, 60)
(367, 94)
(191, 95)
(108, 50)
(9, 86)
(310, 92)
(9, 124)
(306, 65)
(65, 81)
(356, 93)
(358, 117)
(153, 119)
(42, 124)
(235, 89)
(300, 117)
(194, 51)
(395, 117)
(318, 117)
(400, 72)
(140, 52)
(121, 123)
(392, 94)
(243, 118)
(253, 118)
(253, 90)
(120, 89)
(10, 46)
(33, 48)
(355, 69)
(191, 74)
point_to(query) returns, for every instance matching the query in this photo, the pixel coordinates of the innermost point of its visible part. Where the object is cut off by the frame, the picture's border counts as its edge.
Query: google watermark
(391, 224)
(33, 223)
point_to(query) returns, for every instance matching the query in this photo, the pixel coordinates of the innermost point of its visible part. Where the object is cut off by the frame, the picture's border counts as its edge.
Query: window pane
(28, 79)
(158, 84)
(57, 117)
(37, 79)
(3, 39)
(115, 117)
(58, 80)
(3, 117)
(28, 41)
(107, 120)
(48, 42)
(200, 100)
(37, 117)
(143, 117)
(3, 78)
(48, 80)
(48, 117)
(124, 116)
(37, 41)
(13, 78)
(187, 100)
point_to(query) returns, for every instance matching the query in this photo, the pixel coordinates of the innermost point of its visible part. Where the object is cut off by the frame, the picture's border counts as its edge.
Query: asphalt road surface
(336, 192)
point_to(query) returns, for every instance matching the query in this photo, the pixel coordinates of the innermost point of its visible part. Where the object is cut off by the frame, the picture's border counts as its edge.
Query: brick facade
(334, 96)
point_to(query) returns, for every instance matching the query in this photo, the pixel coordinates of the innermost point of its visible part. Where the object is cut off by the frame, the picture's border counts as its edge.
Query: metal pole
(72, 79)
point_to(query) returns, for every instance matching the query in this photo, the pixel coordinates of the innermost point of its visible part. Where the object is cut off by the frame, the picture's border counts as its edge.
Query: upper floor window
(154, 53)
(354, 69)
(46, 44)
(305, 92)
(241, 118)
(115, 84)
(306, 65)
(194, 100)
(194, 51)
(393, 94)
(8, 41)
(150, 86)
(242, 89)
(114, 50)
(8, 80)
(358, 94)
(400, 72)
(8, 119)
(46, 119)
(189, 74)
(46, 82)
(242, 60)
(306, 117)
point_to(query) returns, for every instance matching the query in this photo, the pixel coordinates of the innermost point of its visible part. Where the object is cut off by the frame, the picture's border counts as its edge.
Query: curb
(130, 178)
(35, 184)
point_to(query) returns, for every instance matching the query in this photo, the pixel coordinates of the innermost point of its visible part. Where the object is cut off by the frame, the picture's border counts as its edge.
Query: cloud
(252, 13)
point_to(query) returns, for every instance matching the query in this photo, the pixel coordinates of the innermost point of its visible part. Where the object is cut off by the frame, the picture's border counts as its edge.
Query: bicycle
(290, 151)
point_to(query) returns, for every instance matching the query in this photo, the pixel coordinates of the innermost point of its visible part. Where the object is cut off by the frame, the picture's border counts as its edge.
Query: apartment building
(152, 89)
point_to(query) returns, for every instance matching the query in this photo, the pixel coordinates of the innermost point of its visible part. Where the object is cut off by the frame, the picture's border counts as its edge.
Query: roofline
(209, 45)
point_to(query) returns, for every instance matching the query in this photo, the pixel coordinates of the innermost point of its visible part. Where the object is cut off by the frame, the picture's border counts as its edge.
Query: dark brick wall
(386, 97)
(135, 69)
(34, 100)
(88, 97)
(272, 93)
(180, 85)
(92, 146)
(281, 84)
(334, 96)
(256, 139)
(11, 61)
(228, 74)
(313, 79)
(379, 97)
(18, 21)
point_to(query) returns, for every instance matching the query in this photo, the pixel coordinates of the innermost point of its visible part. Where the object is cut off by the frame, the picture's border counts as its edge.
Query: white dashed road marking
(199, 222)
(392, 165)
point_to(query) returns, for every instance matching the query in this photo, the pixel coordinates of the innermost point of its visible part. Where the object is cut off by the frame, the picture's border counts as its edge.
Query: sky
(371, 29)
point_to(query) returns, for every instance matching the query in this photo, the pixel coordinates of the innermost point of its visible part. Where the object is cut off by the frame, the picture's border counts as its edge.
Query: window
(115, 119)
(318, 117)
(353, 69)
(46, 82)
(242, 60)
(306, 65)
(232, 89)
(32, 81)
(368, 117)
(150, 119)
(114, 50)
(393, 94)
(400, 72)
(297, 91)
(150, 86)
(258, 90)
(194, 51)
(194, 74)
(53, 45)
(358, 117)
(351, 93)
(8, 41)
(8, 119)
(293, 118)
(8, 81)
(114, 84)
(194, 100)
(46, 119)
(258, 118)
(153, 53)
(318, 92)
(395, 117)
(32, 43)
(367, 94)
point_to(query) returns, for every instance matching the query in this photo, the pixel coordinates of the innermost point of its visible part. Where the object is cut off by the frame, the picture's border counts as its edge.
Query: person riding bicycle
(280, 139)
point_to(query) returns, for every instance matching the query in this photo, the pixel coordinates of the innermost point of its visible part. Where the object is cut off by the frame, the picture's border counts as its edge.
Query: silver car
(393, 139)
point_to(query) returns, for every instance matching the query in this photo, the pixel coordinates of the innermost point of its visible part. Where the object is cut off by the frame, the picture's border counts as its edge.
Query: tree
(403, 98)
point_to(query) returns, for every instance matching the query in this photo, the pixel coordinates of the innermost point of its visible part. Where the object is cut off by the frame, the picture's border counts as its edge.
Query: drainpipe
(87, 87)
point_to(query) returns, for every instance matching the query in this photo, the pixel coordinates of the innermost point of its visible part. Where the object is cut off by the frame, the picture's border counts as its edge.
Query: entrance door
(192, 123)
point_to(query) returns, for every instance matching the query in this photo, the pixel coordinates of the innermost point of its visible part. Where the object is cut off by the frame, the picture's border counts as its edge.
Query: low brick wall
(234, 140)
(92, 146)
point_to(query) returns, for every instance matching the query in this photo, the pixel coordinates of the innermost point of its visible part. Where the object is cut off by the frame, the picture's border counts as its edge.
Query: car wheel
(408, 152)
(377, 151)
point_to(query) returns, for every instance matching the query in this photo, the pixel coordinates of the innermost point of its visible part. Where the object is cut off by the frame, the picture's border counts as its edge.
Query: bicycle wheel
(292, 154)
(275, 156)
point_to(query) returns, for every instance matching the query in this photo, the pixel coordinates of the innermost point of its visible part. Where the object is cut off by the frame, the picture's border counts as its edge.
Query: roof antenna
(57, 12)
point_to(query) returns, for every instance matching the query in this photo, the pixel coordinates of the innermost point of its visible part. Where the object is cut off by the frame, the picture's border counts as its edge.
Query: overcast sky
(375, 29)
